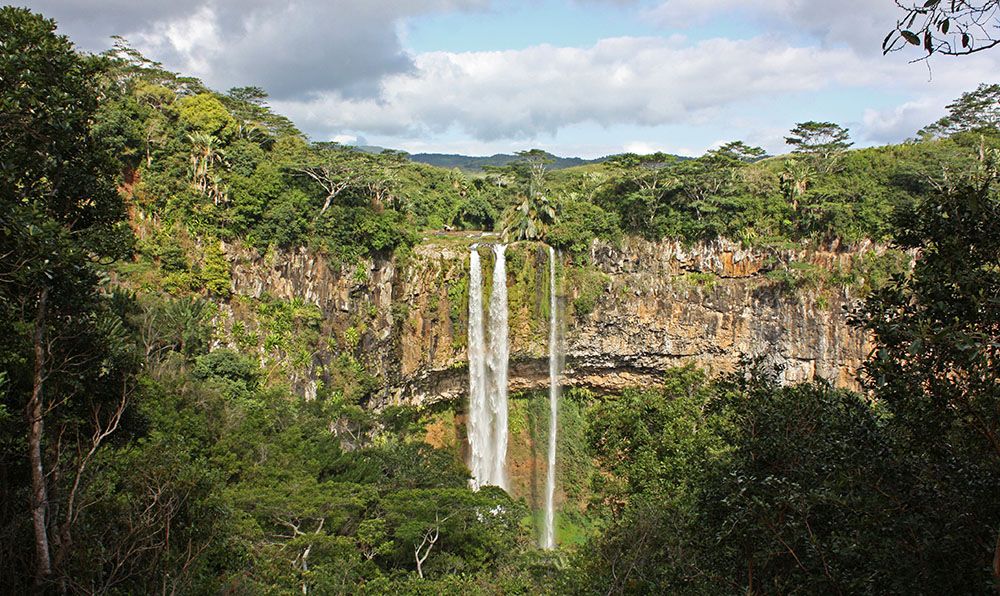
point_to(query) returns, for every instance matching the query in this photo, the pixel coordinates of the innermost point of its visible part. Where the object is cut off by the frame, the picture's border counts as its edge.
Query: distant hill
(474, 164)
(469, 163)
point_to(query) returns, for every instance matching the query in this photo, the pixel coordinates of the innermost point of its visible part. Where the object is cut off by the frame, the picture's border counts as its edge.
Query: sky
(580, 78)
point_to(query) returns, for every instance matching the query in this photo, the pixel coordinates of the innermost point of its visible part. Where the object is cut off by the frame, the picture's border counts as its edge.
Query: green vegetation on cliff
(224, 166)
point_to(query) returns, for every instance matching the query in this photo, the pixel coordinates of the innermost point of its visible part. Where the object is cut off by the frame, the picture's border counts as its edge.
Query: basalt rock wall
(632, 311)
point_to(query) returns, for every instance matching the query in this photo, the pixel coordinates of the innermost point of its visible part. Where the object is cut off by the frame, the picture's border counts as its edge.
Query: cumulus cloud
(860, 24)
(634, 81)
(340, 68)
(350, 140)
(289, 48)
(891, 125)
(649, 147)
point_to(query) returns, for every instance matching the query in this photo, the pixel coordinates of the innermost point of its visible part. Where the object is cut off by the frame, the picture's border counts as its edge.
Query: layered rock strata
(643, 308)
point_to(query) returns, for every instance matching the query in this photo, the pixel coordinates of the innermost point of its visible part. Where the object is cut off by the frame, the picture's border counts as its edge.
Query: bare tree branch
(946, 27)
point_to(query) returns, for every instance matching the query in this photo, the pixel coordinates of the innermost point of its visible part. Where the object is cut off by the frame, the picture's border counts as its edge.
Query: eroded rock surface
(657, 305)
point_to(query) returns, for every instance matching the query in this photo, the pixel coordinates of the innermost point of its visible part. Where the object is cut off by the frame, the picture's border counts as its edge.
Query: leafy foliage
(937, 330)
(579, 222)
(823, 141)
(761, 488)
(67, 355)
(950, 28)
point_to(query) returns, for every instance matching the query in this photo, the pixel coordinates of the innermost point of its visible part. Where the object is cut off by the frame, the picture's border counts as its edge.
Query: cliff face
(631, 313)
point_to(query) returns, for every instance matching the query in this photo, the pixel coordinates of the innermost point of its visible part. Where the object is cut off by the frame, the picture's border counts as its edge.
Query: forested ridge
(141, 456)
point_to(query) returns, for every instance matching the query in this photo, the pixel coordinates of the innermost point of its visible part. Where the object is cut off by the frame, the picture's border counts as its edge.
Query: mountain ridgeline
(238, 360)
(478, 164)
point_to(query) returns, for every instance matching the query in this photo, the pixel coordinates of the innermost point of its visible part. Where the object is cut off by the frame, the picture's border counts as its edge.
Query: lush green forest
(138, 459)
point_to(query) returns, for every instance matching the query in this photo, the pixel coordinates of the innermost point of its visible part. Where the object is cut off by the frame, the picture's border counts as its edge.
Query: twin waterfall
(487, 426)
(480, 420)
(488, 374)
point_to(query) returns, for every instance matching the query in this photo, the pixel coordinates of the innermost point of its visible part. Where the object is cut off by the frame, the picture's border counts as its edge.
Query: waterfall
(555, 361)
(479, 413)
(488, 374)
(498, 361)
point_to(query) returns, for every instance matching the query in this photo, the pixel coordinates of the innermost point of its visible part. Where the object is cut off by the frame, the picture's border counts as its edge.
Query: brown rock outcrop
(659, 305)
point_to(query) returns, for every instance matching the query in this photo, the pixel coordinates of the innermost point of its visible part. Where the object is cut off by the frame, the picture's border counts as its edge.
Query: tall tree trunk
(39, 496)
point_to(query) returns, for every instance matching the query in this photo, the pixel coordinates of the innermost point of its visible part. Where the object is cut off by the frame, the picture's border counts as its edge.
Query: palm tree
(205, 153)
(531, 219)
(217, 189)
(795, 180)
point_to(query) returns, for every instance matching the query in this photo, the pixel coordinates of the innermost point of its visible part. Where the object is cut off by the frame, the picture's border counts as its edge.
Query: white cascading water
(549, 536)
(480, 419)
(499, 357)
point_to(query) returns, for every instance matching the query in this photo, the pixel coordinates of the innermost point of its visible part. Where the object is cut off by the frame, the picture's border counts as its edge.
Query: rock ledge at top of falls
(648, 317)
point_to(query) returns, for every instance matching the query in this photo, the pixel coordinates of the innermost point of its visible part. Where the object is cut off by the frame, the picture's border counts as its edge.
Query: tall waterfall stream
(555, 364)
(479, 413)
(488, 374)
(499, 359)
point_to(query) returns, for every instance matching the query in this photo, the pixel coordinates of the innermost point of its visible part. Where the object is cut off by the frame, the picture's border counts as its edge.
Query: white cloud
(524, 94)
(339, 68)
(648, 147)
(195, 39)
(887, 126)
(345, 139)
(860, 24)
(289, 48)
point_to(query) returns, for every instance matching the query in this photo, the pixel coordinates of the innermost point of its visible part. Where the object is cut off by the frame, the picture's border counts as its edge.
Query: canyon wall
(632, 311)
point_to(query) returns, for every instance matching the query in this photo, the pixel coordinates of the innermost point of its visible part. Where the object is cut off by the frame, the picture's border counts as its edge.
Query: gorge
(241, 357)
(631, 313)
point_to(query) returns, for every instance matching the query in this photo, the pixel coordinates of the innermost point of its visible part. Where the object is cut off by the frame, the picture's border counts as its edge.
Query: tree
(817, 496)
(714, 173)
(166, 326)
(651, 442)
(206, 153)
(60, 214)
(763, 488)
(533, 165)
(249, 106)
(530, 219)
(339, 170)
(823, 141)
(949, 27)
(475, 212)
(534, 212)
(637, 187)
(580, 221)
(476, 526)
(526, 172)
(937, 331)
(333, 168)
(206, 114)
(795, 178)
(974, 110)
(738, 151)
(251, 95)
(382, 177)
